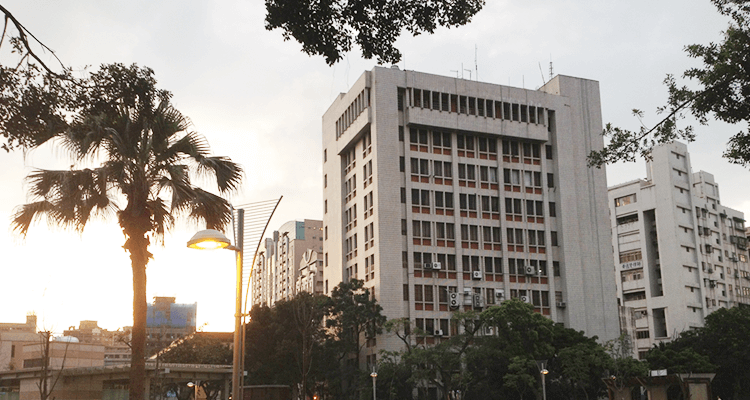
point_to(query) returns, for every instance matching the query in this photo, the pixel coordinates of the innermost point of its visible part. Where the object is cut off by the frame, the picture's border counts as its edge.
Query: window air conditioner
(524, 299)
(478, 301)
(476, 274)
(427, 265)
(530, 270)
(561, 304)
(437, 265)
(467, 291)
(488, 330)
(499, 293)
(438, 332)
(453, 301)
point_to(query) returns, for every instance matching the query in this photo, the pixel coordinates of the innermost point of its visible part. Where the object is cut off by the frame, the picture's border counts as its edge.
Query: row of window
(469, 105)
(485, 264)
(360, 103)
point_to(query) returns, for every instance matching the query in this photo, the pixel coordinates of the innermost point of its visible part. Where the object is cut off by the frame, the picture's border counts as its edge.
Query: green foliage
(200, 348)
(720, 347)
(330, 28)
(290, 344)
(722, 93)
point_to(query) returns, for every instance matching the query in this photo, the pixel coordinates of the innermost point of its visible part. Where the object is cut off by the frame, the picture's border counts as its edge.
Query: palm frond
(228, 174)
(26, 214)
(162, 219)
(208, 207)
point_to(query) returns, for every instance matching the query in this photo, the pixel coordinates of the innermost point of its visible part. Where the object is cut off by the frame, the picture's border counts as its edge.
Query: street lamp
(195, 386)
(374, 376)
(543, 371)
(211, 239)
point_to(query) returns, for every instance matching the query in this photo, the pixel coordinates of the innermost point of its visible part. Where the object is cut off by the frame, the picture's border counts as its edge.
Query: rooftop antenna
(551, 73)
(542, 73)
(469, 73)
(456, 71)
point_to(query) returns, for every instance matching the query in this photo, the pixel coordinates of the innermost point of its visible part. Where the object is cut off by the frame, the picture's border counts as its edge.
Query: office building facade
(446, 194)
(679, 254)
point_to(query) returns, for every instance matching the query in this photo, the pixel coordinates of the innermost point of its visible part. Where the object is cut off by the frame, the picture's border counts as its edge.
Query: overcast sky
(259, 100)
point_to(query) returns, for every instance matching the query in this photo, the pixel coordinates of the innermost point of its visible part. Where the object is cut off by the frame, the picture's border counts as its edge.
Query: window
(512, 179)
(532, 181)
(552, 209)
(403, 226)
(350, 218)
(401, 93)
(350, 188)
(367, 173)
(513, 210)
(536, 241)
(531, 153)
(629, 256)
(445, 233)
(488, 177)
(510, 151)
(470, 236)
(403, 195)
(420, 167)
(420, 198)
(421, 232)
(418, 139)
(369, 267)
(516, 266)
(325, 206)
(487, 148)
(402, 164)
(442, 169)
(553, 238)
(448, 261)
(515, 237)
(470, 263)
(369, 205)
(467, 175)
(325, 155)
(400, 133)
(468, 205)
(627, 219)
(369, 235)
(443, 203)
(325, 180)
(366, 144)
(406, 292)
(625, 200)
(441, 142)
(556, 268)
(550, 180)
(548, 151)
(491, 237)
(490, 207)
(535, 209)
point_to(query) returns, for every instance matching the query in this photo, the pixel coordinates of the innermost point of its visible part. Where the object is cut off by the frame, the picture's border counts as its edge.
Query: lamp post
(543, 372)
(195, 387)
(211, 239)
(374, 376)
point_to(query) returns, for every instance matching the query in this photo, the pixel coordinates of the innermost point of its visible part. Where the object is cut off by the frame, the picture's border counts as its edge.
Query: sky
(259, 100)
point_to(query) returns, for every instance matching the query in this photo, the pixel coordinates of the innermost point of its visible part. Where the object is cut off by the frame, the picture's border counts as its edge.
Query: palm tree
(146, 156)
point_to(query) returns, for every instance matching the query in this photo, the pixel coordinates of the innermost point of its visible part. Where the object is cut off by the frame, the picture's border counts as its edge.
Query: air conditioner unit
(467, 291)
(476, 274)
(500, 293)
(525, 299)
(438, 332)
(736, 274)
(488, 330)
(478, 301)
(712, 284)
(453, 301)
(427, 265)
(530, 270)
(561, 304)
(437, 265)
(710, 270)
(733, 258)
(733, 239)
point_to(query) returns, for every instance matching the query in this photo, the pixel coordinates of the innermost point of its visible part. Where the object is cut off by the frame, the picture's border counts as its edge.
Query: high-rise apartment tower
(680, 254)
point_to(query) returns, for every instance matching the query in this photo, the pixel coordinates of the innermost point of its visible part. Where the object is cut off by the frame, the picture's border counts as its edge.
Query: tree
(624, 366)
(330, 28)
(146, 155)
(199, 348)
(353, 315)
(723, 92)
(34, 98)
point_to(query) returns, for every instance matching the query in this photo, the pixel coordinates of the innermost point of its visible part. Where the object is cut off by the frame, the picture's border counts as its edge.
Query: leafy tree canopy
(722, 91)
(330, 28)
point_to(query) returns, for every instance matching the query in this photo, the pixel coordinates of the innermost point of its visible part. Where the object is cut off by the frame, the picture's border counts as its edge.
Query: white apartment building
(680, 254)
(290, 263)
(445, 194)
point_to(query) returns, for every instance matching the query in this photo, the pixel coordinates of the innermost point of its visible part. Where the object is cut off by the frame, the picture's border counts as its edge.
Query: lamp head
(209, 239)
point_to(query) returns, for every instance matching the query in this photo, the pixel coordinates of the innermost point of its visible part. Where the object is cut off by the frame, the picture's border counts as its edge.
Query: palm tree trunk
(138, 343)
(137, 245)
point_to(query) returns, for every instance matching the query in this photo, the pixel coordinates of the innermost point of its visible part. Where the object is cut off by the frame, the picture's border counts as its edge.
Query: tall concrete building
(445, 194)
(289, 263)
(679, 253)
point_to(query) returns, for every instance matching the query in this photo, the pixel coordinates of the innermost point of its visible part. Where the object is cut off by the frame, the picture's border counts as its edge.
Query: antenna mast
(476, 66)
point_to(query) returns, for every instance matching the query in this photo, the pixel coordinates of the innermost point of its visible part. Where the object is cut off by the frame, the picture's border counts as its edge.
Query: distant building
(28, 326)
(679, 254)
(167, 321)
(116, 349)
(13, 338)
(289, 263)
